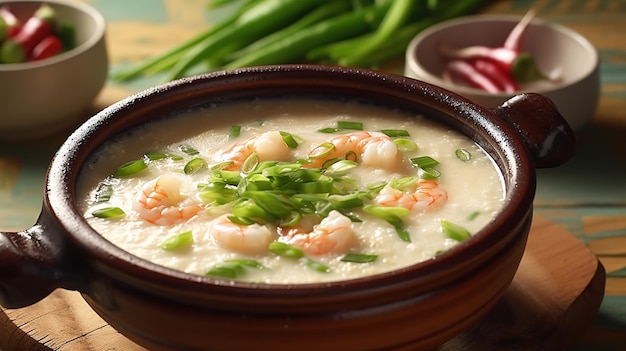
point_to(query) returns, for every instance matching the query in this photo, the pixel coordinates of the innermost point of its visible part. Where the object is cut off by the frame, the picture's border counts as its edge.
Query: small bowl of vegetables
(53, 63)
(490, 58)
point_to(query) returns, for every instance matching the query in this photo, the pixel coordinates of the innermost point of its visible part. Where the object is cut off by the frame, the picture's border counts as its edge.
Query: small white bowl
(43, 97)
(553, 46)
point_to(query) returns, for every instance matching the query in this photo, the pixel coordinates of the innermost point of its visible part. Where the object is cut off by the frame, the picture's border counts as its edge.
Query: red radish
(47, 47)
(464, 72)
(13, 24)
(514, 39)
(505, 66)
(37, 27)
(494, 72)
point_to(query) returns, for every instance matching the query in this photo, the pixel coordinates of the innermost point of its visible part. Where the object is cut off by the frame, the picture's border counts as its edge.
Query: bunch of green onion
(358, 33)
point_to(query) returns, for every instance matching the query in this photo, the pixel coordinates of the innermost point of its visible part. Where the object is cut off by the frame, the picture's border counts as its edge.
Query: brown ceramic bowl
(413, 308)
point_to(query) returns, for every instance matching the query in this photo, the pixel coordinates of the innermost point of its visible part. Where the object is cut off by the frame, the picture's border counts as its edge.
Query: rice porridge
(289, 192)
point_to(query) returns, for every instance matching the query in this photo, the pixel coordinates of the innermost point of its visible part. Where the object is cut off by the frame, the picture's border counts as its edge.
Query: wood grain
(555, 294)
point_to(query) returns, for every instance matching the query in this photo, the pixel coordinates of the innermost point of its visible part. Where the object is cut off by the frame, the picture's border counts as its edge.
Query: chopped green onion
(348, 201)
(393, 216)
(454, 231)
(319, 186)
(472, 216)
(247, 263)
(395, 133)
(285, 250)
(340, 168)
(257, 182)
(108, 212)
(250, 163)
(424, 162)
(376, 187)
(234, 131)
(403, 233)
(103, 192)
(195, 165)
(351, 156)
(350, 125)
(178, 241)
(463, 155)
(429, 173)
(328, 130)
(329, 162)
(289, 140)
(359, 258)
(130, 168)
(272, 203)
(404, 183)
(291, 220)
(189, 150)
(155, 155)
(405, 145)
(320, 267)
(227, 270)
(322, 150)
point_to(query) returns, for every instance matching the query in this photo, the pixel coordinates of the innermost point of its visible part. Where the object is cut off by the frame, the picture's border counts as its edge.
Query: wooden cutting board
(554, 296)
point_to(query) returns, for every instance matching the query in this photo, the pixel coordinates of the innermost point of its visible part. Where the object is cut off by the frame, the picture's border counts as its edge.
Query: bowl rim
(84, 8)
(413, 62)
(63, 172)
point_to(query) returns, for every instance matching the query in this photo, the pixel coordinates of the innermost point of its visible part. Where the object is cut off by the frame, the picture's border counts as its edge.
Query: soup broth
(283, 192)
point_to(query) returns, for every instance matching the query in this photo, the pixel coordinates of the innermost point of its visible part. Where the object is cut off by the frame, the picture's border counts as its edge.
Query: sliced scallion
(247, 263)
(155, 155)
(178, 241)
(322, 150)
(130, 168)
(472, 216)
(350, 125)
(108, 212)
(396, 133)
(454, 231)
(359, 258)
(315, 265)
(250, 163)
(194, 165)
(234, 131)
(463, 155)
(289, 140)
(405, 145)
(226, 270)
(429, 173)
(188, 149)
(340, 168)
(393, 216)
(103, 192)
(424, 162)
(285, 250)
(328, 130)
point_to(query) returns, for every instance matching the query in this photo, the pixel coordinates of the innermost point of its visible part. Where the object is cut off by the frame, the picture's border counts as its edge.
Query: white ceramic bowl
(43, 97)
(553, 46)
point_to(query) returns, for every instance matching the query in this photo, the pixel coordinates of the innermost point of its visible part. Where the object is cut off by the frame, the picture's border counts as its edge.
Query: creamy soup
(290, 192)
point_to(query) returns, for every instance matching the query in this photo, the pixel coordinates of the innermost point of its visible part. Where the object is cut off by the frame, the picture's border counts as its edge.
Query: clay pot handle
(547, 135)
(31, 264)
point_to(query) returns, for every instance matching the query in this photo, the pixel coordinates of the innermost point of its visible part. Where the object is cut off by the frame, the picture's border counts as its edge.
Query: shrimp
(247, 239)
(159, 202)
(373, 149)
(268, 146)
(425, 194)
(334, 234)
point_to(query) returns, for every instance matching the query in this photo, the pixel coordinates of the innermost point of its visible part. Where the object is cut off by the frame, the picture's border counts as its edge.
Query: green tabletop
(587, 196)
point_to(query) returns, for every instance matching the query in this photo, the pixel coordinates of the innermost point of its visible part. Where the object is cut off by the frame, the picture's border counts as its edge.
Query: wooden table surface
(587, 196)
